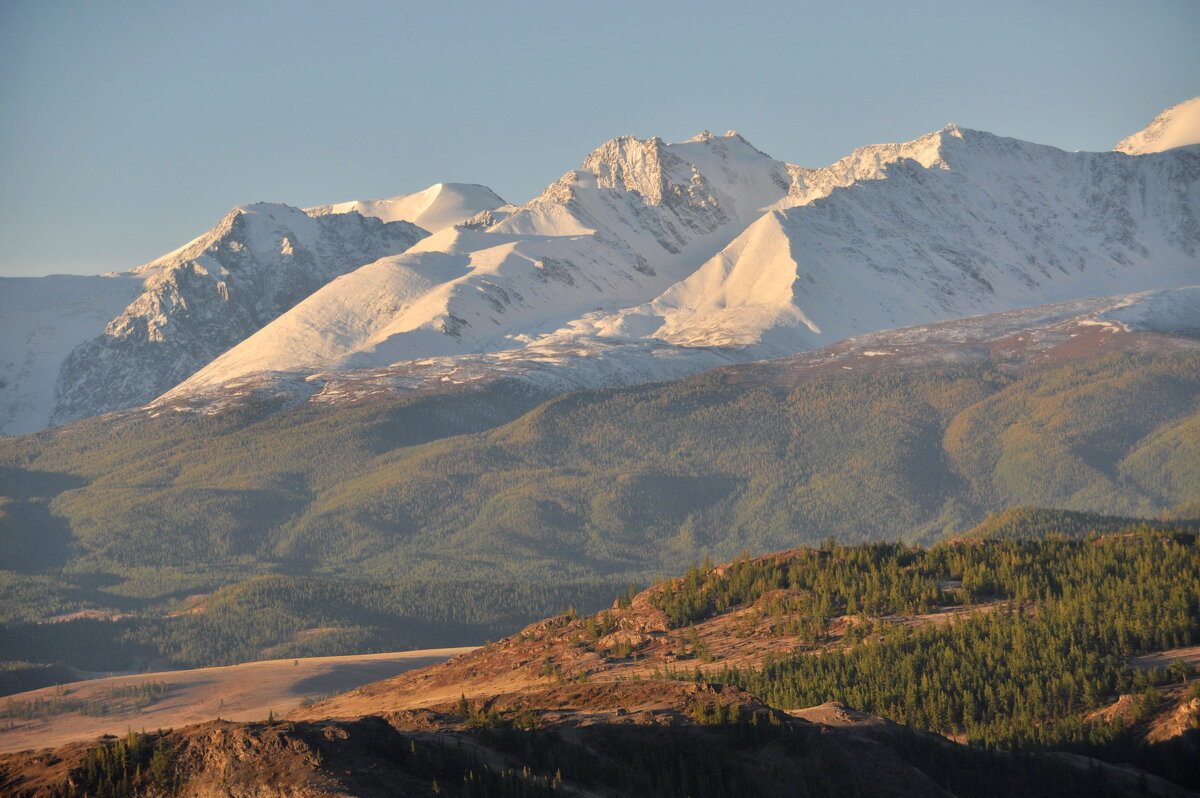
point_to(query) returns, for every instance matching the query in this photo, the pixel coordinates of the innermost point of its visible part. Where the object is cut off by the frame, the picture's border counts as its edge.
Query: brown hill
(634, 641)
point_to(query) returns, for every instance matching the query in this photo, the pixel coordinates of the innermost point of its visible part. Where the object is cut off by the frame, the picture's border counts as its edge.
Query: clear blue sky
(127, 128)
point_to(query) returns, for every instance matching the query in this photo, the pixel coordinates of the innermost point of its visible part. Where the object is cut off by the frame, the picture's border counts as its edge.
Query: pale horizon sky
(128, 128)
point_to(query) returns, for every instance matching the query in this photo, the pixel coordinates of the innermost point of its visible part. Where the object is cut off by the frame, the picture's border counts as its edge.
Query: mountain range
(651, 261)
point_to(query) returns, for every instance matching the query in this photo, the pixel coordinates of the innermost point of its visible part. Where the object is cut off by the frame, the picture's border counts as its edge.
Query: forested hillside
(1039, 523)
(1015, 674)
(1026, 675)
(133, 514)
(621, 482)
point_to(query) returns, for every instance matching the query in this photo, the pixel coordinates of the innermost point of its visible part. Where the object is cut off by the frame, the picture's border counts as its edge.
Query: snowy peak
(1178, 126)
(872, 162)
(647, 167)
(252, 229)
(436, 208)
(257, 263)
(647, 196)
(704, 172)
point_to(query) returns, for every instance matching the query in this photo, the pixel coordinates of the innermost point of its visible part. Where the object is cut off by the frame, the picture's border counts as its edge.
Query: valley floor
(246, 692)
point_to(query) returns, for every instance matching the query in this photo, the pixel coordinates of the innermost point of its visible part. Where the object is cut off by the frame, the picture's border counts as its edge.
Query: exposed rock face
(255, 265)
(1182, 719)
(661, 179)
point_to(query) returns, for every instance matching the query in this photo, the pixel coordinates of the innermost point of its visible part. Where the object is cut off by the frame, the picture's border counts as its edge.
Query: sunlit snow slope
(637, 217)
(433, 209)
(1178, 126)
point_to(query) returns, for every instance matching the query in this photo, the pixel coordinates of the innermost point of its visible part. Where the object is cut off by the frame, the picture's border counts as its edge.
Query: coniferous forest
(1056, 626)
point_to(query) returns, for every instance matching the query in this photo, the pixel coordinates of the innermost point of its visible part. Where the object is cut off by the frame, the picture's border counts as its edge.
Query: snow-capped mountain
(650, 261)
(977, 224)
(79, 346)
(1178, 126)
(637, 217)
